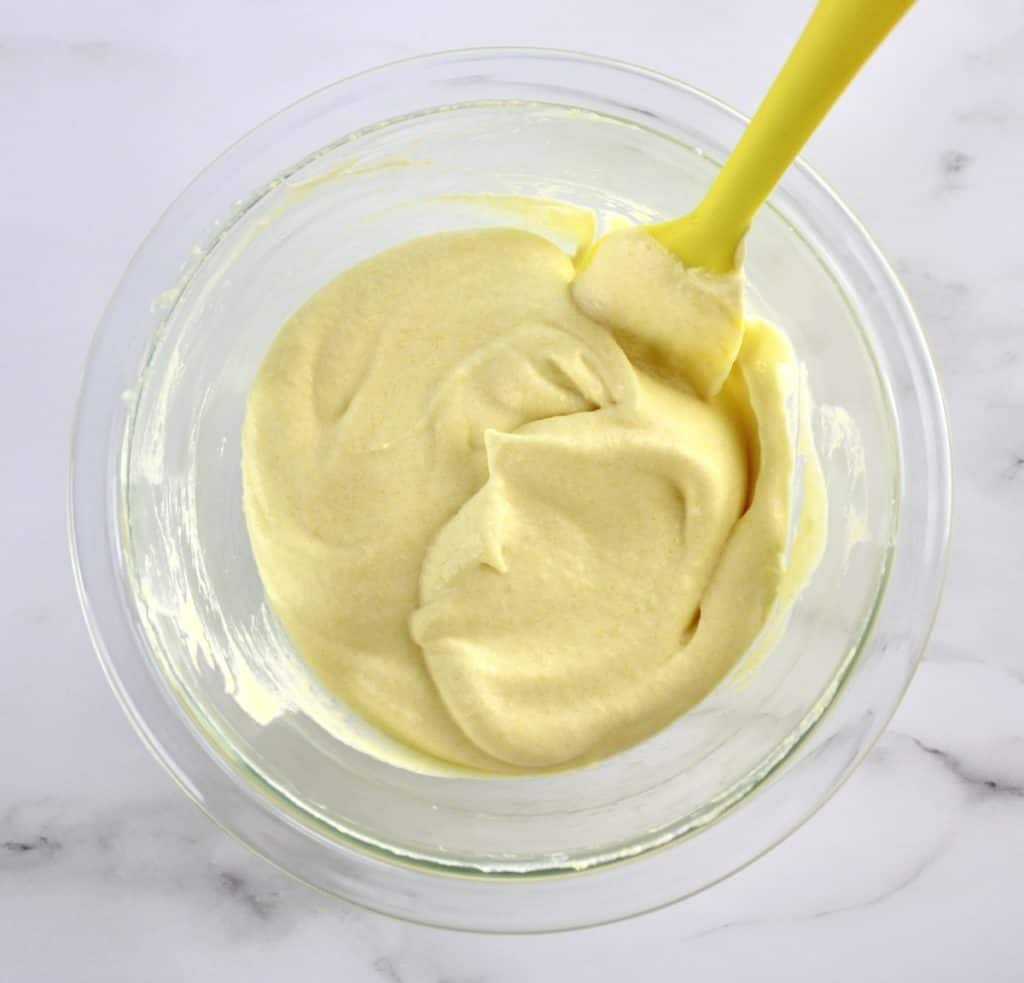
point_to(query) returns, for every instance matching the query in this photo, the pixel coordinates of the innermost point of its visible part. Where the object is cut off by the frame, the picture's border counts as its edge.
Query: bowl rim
(96, 560)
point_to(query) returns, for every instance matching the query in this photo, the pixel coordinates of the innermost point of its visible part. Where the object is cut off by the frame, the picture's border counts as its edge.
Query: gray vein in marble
(978, 780)
(938, 298)
(888, 892)
(89, 55)
(1005, 50)
(42, 845)
(955, 161)
(996, 113)
(1013, 469)
(163, 848)
(952, 165)
(944, 654)
(386, 969)
(262, 903)
(908, 880)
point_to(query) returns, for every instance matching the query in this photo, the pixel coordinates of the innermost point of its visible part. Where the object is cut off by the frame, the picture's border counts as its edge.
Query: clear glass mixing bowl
(171, 593)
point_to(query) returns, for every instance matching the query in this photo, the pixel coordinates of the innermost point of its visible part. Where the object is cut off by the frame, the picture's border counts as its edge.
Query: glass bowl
(175, 606)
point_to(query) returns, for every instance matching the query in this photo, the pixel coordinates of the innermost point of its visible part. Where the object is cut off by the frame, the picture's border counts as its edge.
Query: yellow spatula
(838, 39)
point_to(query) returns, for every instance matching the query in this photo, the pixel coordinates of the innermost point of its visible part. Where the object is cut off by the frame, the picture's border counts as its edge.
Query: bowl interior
(214, 642)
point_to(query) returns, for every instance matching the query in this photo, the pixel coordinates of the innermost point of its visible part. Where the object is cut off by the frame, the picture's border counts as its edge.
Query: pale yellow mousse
(521, 519)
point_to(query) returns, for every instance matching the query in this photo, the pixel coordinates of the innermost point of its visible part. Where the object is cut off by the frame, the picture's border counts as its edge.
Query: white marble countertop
(914, 871)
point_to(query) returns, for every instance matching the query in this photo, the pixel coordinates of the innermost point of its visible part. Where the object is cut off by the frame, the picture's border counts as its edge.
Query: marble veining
(979, 782)
(915, 869)
(953, 164)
